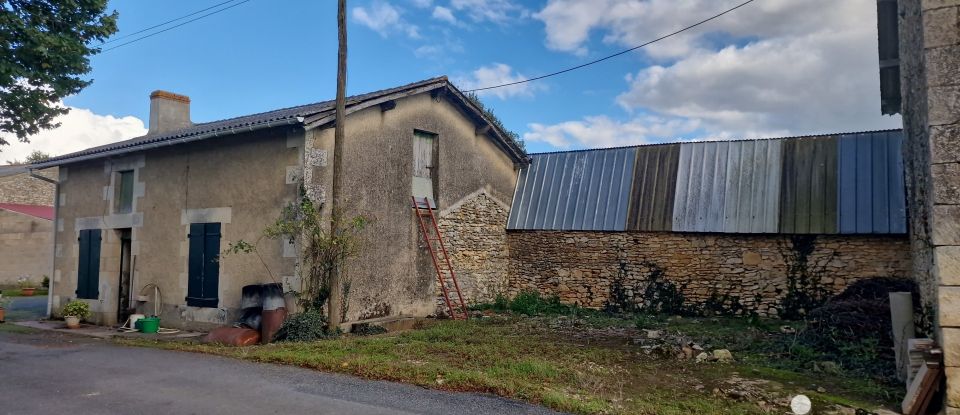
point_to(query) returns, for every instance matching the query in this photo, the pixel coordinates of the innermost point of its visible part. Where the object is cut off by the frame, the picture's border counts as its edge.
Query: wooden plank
(921, 390)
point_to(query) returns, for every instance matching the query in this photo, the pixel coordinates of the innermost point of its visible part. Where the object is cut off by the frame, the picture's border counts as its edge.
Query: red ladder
(457, 307)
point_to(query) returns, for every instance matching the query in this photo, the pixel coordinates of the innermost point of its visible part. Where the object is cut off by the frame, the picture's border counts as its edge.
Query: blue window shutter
(203, 265)
(88, 268)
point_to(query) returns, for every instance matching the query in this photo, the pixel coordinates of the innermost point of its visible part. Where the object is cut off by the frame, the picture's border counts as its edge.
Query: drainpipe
(56, 217)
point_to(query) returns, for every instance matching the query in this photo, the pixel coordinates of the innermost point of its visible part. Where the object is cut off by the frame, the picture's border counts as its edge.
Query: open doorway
(126, 271)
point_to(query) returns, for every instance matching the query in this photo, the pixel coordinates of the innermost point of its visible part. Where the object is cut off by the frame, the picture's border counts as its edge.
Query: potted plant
(3, 305)
(75, 311)
(26, 287)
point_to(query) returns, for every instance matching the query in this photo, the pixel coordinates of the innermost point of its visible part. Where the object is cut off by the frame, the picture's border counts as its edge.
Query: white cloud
(776, 67)
(423, 4)
(384, 18)
(444, 14)
(601, 131)
(497, 74)
(495, 11)
(80, 129)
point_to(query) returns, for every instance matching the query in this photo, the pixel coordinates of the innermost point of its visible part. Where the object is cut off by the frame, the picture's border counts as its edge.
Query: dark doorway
(126, 270)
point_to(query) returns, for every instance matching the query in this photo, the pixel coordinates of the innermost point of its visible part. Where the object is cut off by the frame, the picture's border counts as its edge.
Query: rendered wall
(393, 274)
(241, 181)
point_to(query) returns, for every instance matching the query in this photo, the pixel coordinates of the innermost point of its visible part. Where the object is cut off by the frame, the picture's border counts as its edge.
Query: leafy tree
(35, 157)
(45, 48)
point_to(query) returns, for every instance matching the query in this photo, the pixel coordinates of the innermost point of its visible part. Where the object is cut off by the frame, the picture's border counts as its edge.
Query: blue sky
(774, 67)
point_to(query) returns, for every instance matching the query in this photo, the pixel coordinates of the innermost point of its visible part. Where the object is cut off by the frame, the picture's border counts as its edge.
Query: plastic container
(149, 324)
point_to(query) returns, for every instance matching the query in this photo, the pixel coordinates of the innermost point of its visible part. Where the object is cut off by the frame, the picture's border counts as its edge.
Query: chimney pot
(168, 112)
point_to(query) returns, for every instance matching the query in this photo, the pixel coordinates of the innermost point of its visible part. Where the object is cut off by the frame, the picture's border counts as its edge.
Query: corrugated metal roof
(583, 190)
(729, 187)
(808, 196)
(654, 183)
(871, 185)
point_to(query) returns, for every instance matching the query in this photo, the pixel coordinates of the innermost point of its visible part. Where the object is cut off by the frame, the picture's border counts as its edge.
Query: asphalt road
(47, 373)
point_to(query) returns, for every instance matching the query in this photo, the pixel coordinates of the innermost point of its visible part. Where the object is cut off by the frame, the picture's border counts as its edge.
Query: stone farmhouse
(137, 214)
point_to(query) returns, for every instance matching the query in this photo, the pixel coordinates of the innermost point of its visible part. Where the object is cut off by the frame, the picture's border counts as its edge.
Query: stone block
(950, 343)
(943, 65)
(945, 228)
(936, 4)
(751, 258)
(946, 183)
(947, 263)
(945, 143)
(941, 27)
(944, 105)
(953, 387)
(949, 306)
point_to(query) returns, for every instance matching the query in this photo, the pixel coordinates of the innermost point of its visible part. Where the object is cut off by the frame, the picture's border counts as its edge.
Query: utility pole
(336, 211)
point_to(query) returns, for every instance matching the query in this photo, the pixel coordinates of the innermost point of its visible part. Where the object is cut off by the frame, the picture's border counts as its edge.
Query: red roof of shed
(37, 211)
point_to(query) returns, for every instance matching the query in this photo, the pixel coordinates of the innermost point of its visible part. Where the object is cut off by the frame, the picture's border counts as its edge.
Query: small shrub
(367, 330)
(530, 302)
(46, 282)
(310, 325)
(76, 308)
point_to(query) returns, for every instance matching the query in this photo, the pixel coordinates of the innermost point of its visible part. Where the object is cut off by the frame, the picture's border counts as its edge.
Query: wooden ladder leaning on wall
(441, 260)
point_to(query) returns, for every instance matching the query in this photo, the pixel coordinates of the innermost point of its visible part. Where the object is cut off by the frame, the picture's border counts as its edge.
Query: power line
(573, 68)
(165, 23)
(174, 26)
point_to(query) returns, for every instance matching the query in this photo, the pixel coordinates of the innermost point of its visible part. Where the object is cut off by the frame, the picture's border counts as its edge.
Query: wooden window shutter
(88, 268)
(203, 265)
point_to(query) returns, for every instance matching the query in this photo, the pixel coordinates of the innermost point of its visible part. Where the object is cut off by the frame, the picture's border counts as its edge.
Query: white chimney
(168, 112)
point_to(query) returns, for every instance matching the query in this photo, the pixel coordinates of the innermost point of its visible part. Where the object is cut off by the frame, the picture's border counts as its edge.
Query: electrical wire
(165, 23)
(174, 26)
(573, 68)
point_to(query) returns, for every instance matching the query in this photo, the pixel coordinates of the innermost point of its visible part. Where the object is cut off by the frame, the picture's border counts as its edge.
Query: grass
(16, 292)
(540, 360)
(13, 328)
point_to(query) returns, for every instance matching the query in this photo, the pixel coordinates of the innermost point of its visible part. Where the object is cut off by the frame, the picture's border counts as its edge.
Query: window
(203, 281)
(123, 196)
(88, 269)
(424, 166)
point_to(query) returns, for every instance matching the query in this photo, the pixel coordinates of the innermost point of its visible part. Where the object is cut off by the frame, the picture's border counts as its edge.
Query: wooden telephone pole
(336, 289)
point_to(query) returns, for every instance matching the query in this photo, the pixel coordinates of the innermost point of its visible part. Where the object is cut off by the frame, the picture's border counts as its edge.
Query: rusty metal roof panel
(654, 184)
(871, 190)
(730, 187)
(576, 190)
(808, 197)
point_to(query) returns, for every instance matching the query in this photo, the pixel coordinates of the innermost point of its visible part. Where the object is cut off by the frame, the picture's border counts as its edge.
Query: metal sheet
(728, 186)
(871, 188)
(576, 190)
(654, 184)
(808, 197)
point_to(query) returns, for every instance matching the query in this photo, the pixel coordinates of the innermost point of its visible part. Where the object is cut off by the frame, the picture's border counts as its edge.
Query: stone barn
(26, 226)
(132, 214)
(729, 226)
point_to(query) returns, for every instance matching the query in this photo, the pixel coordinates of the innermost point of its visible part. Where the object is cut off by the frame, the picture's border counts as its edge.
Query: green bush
(76, 308)
(310, 325)
(530, 302)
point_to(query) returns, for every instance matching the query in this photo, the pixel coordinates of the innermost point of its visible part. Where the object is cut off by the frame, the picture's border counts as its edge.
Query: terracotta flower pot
(72, 322)
(27, 292)
(2, 315)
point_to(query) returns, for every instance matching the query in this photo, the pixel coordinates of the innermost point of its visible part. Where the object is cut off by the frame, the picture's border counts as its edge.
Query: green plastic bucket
(149, 324)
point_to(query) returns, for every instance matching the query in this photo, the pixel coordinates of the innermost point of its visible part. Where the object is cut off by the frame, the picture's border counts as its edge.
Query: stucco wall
(26, 248)
(930, 87)
(25, 190)
(753, 271)
(241, 181)
(393, 273)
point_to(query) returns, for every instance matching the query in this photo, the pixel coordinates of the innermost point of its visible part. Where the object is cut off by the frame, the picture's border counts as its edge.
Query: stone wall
(749, 271)
(26, 248)
(930, 88)
(25, 190)
(475, 236)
